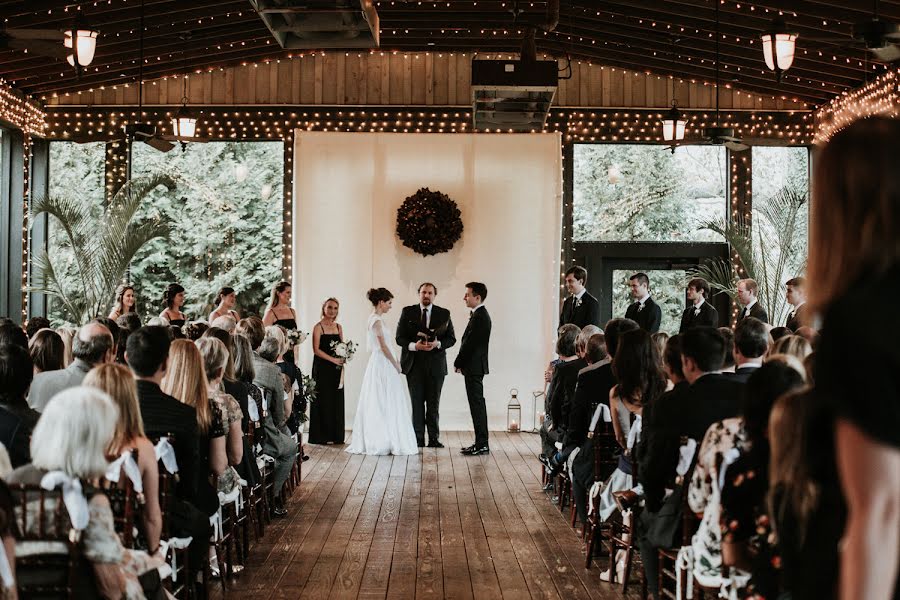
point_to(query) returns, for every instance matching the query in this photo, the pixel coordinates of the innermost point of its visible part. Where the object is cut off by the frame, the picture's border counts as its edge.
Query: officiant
(424, 333)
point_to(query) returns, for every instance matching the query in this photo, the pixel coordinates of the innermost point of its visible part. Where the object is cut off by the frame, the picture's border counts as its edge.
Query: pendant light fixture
(184, 123)
(673, 126)
(82, 40)
(779, 46)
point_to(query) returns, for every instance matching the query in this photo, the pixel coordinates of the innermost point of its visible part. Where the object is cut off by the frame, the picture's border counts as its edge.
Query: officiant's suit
(472, 361)
(425, 370)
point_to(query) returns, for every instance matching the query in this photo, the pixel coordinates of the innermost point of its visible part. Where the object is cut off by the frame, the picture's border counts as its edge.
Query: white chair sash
(602, 411)
(5, 572)
(728, 458)
(684, 567)
(634, 434)
(168, 547)
(73, 497)
(127, 463)
(166, 453)
(686, 456)
(252, 410)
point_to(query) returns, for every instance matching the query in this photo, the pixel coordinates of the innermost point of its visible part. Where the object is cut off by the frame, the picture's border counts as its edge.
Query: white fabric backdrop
(347, 188)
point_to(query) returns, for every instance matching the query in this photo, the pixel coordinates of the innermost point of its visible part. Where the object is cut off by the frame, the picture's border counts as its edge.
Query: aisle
(437, 525)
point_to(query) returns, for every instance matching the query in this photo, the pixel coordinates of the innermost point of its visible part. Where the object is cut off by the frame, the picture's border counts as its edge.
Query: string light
(20, 111)
(880, 97)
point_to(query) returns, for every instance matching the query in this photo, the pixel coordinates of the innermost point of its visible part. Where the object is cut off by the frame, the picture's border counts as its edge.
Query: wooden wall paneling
(372, 67)
(263, 75)
(464, 79)
(639, 90)
(595, 85)
(329, 77)
(295, 81)
(429, 78)
(319, 75)
(626, 88)
(605, 82)
(681, 92)
(441, 72)
(207, 82)
(385, 80)
(584, 82)
(417, 76)
(660, 91)
(307, 80)
(217, 86)
(451, 80)
(283, 87)
(562, 95)
(396, 71)
(242, 85)
(616, 90)
(351, 83)
(340, 78)
(196, 87)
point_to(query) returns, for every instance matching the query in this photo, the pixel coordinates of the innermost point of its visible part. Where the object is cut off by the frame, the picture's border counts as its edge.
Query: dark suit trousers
(189, 521)
(425, 394)
(475, 393)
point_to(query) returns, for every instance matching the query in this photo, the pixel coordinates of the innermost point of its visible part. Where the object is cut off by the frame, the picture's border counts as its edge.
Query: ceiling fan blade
(53, 35)
(736, 146)
(40, 47)
(158, 144)
(889, 53)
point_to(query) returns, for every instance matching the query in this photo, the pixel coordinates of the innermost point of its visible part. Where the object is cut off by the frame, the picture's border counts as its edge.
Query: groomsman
(472, 362)
(700, 313)
(748, 292)
(796, 297)
(424, 333)
(580, 308)
(643, 311)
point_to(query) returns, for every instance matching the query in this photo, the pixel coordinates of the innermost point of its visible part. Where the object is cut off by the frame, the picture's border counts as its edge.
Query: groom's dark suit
(425, 370)
(472, 362)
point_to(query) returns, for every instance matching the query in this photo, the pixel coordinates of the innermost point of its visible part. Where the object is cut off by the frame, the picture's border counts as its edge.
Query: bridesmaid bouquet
(296, 337)
(344, 350)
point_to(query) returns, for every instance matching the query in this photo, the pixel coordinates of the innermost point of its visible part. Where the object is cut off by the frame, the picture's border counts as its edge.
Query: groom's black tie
(424, 318)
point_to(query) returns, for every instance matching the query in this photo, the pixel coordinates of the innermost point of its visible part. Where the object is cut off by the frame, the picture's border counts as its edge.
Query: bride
(383, 423)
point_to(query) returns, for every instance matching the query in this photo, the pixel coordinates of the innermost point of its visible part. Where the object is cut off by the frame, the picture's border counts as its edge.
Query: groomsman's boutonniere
(577, 302)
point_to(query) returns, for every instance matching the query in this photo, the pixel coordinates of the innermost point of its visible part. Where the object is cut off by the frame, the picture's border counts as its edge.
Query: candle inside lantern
(541, 418)
(513, 426)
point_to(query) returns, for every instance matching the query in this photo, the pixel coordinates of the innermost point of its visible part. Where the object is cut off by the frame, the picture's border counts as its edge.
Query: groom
(472, 362)
(424, 333)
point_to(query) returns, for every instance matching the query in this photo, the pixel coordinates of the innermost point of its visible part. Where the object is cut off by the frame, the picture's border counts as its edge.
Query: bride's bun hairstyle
(169, 294)
(376, 295)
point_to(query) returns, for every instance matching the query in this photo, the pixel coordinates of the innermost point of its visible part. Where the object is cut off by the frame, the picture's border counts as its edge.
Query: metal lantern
(184, 123)
(673, 125)
(84, 46)
(514, 412)
(778, 47)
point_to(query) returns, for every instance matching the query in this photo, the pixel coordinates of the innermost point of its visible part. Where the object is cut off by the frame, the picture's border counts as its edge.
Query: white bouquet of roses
(344, 350)
(296, 337)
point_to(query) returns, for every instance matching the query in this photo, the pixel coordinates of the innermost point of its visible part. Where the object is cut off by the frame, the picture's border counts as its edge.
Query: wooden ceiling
(640, 35)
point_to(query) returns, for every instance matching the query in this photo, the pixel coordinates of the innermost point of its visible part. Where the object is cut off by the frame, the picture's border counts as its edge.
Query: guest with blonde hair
(67, 334)
(793, 345)
(117, 381)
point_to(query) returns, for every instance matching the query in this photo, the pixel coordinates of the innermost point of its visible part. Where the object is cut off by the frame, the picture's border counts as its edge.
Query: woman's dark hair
(10, 333)
(195, 330)
(172, 290)
(177, 332)
(16, 373)
(129, 321)
(279, 288)
(243, 358)
(766, 385)
(121, 343)
(35, 324)
(47, 350)
(565, 344)
(672, 355)
(376, 295)
(225, 291)
(779, 332)
(636, 366)
(728, 336)
(120, 293)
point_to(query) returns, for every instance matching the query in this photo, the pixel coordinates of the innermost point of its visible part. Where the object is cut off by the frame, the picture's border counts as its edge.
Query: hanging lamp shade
(673, 125)
(779, 46)
(184, 123)
(85, 45)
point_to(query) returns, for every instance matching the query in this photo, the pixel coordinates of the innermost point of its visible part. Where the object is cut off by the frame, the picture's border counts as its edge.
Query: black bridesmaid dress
(326, 419)
(289, 324)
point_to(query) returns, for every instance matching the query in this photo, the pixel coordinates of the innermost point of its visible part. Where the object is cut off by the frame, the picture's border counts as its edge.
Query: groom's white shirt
(427, 309)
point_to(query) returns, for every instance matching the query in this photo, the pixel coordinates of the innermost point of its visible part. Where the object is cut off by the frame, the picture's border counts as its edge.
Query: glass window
(632, 192)
(226, 218)
(667, 289)
(76, 172)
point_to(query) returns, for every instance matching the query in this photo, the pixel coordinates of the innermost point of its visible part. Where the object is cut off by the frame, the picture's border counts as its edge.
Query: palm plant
(769, 251)
(101, 247)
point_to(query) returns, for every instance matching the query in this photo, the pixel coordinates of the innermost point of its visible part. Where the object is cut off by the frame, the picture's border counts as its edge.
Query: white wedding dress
(383, 423)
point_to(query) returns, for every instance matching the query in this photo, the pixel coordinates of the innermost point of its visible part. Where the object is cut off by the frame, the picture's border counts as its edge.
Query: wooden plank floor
(436, 525)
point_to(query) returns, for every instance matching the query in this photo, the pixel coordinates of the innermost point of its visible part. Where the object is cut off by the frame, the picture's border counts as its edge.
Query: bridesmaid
(225, 301)
(125, 302)
(174, 300)
(279, 312)
(326, 421)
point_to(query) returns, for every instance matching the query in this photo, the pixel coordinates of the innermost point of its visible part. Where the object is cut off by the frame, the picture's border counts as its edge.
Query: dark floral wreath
(429, 222)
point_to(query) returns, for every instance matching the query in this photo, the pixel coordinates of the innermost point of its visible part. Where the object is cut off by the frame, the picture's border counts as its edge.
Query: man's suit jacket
(756, 311)
(742, 374)
(268, 377)
(708, 316)
(593, 386)
(798, 319)
(566, 375)
(435, 361)
(49, 383)
(473, 349)
(709, 399)
(648, 317)
(586, 313)
(162, 414)
(657, 451)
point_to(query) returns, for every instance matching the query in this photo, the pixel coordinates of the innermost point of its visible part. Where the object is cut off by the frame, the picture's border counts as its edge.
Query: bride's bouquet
(296, 337)
(344, 350)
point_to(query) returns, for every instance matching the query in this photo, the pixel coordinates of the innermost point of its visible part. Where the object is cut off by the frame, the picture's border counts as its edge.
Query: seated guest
(195, 330)
(793, 345)
(660, 338)
(728, 362)
(113, 329)
(92, 346)
(776, 333)
(186, 381)
(215, 358)
(583, 336)
(226, 322)
(35, 324)
(745, 435)
(10, 333)
(275, 348)
(118, 382)
(241, 387)
(148, 355)
(19, 419)
(72, 437)
(751, 342)
(47, 351)
(747, 293)
(122, 344)
(130, 321)
(711, 397)
(796, 297)
(809, 334)
(700, 313)
(68, 336)
(278, 444)
(565, 377)
(643, 311)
